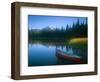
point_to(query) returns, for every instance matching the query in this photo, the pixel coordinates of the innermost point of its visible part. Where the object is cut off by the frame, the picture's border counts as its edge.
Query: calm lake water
(44, 54)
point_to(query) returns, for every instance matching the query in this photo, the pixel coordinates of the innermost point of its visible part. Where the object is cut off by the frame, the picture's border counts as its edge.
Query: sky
(42, 21)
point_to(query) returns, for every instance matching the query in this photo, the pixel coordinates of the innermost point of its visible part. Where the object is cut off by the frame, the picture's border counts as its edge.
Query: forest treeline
(76, 30)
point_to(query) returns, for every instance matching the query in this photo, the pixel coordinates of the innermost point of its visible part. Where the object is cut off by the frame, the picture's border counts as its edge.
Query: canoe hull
(64, 56)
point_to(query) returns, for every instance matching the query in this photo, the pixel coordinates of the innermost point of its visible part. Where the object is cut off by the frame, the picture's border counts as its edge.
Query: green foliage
(76, 30)
(78, 42)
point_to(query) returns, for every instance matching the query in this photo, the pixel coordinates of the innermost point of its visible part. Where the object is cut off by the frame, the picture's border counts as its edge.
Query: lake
(43, 53)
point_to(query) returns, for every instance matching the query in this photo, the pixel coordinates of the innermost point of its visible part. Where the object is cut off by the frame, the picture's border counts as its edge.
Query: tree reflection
(63, 46)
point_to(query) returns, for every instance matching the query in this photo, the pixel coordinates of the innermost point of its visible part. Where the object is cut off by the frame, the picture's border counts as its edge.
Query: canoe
(62, 55)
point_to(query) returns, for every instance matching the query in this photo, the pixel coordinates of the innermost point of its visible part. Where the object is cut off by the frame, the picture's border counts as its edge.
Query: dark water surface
(44, 53)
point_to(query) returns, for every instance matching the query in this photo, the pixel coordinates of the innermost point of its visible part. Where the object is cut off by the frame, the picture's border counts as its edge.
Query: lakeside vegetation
(78, 41)
(74, 36)
(77, 30)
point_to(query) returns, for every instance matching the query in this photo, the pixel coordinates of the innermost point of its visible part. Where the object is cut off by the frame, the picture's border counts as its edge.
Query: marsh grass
(78, 42)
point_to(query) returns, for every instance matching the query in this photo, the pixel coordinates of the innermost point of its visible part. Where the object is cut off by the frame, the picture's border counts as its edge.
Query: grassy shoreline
(78, 41)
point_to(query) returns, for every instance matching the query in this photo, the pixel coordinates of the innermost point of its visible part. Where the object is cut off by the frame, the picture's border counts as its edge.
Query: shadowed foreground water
(44, 53)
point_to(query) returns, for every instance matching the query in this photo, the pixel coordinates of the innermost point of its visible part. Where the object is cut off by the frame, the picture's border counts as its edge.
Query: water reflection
(44, 53)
